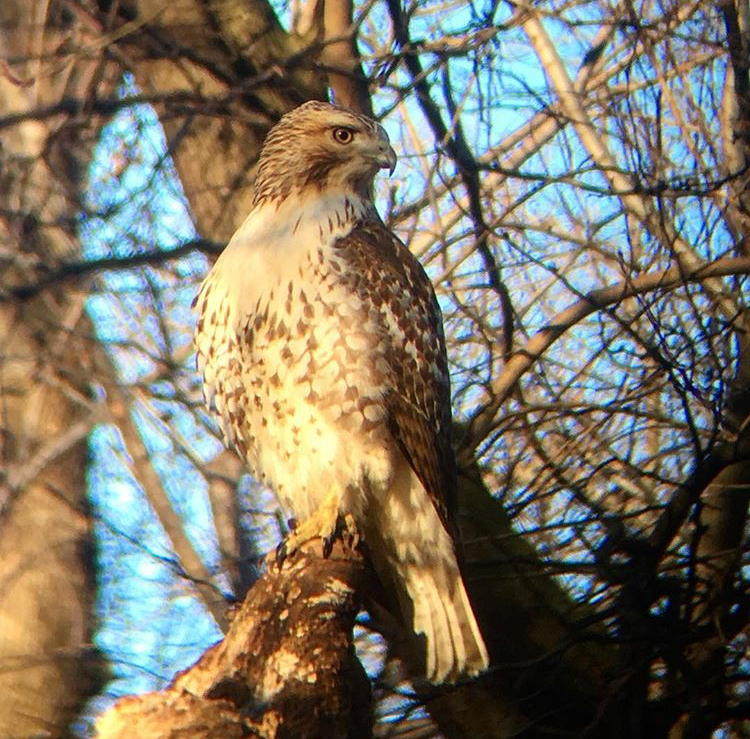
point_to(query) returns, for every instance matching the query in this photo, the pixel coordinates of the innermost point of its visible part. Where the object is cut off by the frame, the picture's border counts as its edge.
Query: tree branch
(76, 270)
(345, 75)
(193, 568)
(457, 147)
(594, 142)
(482, 422)
(285, 670)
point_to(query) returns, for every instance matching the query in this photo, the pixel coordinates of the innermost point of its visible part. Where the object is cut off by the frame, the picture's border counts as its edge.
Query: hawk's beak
(385, 157)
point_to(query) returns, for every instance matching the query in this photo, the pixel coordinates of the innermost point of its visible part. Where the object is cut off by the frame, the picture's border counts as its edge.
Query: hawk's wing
(387, 276)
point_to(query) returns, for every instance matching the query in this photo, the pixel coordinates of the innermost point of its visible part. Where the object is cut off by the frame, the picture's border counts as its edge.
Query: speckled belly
(312, 400)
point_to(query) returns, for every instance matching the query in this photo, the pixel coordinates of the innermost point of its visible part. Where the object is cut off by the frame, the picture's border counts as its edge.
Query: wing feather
(390, 279)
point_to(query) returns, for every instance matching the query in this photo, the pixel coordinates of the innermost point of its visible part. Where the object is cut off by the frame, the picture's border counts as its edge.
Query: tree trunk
(48, 666)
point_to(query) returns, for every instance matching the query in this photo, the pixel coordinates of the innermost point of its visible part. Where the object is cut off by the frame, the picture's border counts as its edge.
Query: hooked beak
(387, 158)
(382, 152)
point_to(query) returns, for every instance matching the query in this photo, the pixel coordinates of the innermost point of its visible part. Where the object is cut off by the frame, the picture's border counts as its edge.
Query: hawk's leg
(325, 524)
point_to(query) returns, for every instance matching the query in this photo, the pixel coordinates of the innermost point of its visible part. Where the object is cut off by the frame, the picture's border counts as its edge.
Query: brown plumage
(321, 346)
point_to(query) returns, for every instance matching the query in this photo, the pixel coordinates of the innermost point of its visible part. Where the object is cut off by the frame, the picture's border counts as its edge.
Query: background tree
(575, 179)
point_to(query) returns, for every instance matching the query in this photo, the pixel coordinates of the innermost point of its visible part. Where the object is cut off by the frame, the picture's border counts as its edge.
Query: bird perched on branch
(321, 345)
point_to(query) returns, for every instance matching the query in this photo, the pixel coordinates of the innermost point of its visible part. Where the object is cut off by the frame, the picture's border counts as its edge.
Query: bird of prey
(321, 346)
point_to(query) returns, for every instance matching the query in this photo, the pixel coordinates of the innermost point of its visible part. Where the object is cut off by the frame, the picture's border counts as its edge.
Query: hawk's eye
(343, 135)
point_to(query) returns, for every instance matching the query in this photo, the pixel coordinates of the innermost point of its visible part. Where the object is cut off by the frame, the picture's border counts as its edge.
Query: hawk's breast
(293, 358)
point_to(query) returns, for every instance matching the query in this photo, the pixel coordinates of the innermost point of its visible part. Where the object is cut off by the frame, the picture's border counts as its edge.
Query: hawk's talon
(352, 539)
(281, 554)
(350, 532)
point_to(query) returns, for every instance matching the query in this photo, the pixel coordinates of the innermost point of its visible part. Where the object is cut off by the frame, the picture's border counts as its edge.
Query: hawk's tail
(442, 613)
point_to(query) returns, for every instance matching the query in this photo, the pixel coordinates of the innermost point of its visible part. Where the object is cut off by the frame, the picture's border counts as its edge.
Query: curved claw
(326, 523)
(350, 532)
(281, 554)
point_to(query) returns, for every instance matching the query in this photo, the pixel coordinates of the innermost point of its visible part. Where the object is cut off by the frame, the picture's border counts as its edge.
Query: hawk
(321, 346)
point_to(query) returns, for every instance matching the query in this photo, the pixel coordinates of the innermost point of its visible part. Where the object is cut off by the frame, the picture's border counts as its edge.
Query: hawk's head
(321, 146)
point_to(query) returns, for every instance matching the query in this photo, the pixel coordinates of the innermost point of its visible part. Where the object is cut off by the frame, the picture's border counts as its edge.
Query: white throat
(298, 221)
(273, 241)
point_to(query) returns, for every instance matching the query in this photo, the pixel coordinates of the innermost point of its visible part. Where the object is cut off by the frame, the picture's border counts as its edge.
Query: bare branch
(519, 363)
(77, 270)
(193, 567)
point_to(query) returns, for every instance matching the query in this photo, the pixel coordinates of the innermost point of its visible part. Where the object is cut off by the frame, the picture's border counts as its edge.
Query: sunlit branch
(520, 361)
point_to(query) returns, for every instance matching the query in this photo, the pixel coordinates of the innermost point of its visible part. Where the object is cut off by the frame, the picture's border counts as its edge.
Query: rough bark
(285, 670)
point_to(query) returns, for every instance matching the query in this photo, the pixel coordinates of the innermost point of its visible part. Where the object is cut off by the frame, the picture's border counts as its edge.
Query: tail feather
(477, 660)
(455, 621)
(442, 613)
(438, 624)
